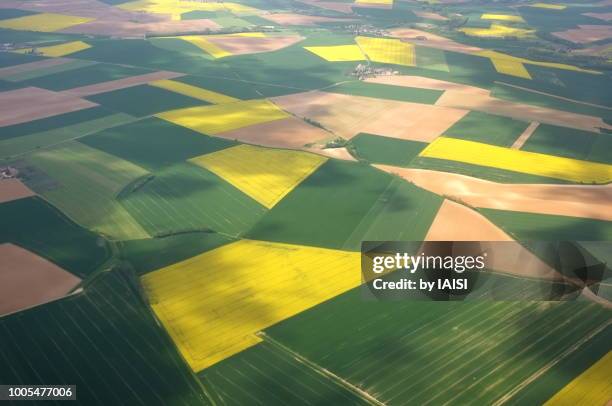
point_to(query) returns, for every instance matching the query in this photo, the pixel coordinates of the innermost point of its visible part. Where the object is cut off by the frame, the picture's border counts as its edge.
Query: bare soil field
(251, 45)
(13, 189)
(587, 201)
(128, 28)
(299, 19)
(28, 280)
(347, 115)
(432, 40)
(330, 5)
(121, 83)
(336, 153)
(289, 132)
(30, 66)
(586, 33)
(431, 16)
(474, 98)
(32, 103)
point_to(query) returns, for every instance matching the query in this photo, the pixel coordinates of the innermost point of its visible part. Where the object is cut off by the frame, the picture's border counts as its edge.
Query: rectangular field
(44, 22)
(213, 304)
(487, 128)
(194, 91)
(519, 161)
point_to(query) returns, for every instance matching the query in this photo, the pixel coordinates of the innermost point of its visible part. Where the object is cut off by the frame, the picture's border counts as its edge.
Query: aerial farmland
(187, 188)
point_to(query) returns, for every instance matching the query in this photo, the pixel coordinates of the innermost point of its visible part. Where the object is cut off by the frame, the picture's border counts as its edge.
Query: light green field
(86, 183)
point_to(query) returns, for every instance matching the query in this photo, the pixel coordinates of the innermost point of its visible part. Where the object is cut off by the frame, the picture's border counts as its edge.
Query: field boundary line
(320, 370)
(551, 364)
(553, 95)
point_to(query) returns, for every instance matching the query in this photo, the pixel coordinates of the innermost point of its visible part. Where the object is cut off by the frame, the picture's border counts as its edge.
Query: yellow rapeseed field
(533, 163)
(387, 50)
(205, 45)
(60, 50)
(338, 53)
(503, 17)
(592, 387)
(44, 22)
(267, 175)
(213, 304)
(511, 65)
(224, 117)
(194, 91)
(175, 8)
(549, 6)
(497, 30)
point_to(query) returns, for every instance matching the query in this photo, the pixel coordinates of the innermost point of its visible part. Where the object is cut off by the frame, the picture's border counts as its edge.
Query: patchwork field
(519, 161)
(272, 283)
(267, 175)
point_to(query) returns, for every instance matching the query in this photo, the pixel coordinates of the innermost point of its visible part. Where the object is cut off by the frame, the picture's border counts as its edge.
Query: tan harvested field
(84, 8)
(522, 139)
(138, 29)
(28, 280)
(30, 66)
(336, 153)
(330, 5)
(289, 132)
(455, 222)
(13, 189)
(601, 16)
(433, 40)
(347, 115)
(431, 16)
(586, 201)
(251, 45)
(121, 83)
(473, 98)
(32, 103)
(299, 19)
(586, 33)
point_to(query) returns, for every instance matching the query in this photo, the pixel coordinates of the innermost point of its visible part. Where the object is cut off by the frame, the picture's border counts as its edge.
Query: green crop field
(377, 149)
(267, 375)
(238, 88)
(380, 91)
(144, 100)
(487, 128)
(153, 143)
(411, 352)
(342, 203)
(87, 182)
(570, 143)
(40, 227)
(37, 73)
(155, 253)
(87, 75)
(185, 197)
(131, 362)
(534, 227)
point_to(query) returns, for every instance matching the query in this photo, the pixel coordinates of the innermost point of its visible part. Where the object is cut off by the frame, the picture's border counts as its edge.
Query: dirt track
(563, 200)
(27, 280)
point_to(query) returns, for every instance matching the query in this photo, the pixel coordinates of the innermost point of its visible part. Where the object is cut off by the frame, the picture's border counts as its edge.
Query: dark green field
(154, 143)
(144, 100)
(36, 225)
(487, 128)
(570, 143)
(105, 342)
(155, 253)
(377, 149)
(185, 197)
